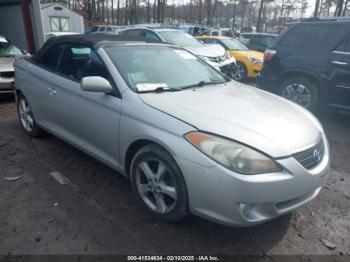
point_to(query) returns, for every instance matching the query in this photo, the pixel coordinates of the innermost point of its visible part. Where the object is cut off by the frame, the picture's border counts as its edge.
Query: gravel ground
(96, 213)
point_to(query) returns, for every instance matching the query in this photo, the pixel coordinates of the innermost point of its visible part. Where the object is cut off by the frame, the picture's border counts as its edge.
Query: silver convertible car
(190, 139)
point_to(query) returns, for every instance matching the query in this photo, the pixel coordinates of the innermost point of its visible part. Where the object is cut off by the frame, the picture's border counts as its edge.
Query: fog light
(246, 209)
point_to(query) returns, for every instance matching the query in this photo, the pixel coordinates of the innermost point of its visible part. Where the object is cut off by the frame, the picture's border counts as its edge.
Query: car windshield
(233, 44)
(8, 50)
(179, 38)
(151, 67)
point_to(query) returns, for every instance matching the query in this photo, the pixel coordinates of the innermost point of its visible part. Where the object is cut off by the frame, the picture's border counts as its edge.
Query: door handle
(339, 62)
(51, 91)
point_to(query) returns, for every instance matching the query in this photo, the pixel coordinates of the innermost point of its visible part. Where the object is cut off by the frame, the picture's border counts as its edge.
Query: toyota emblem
(317, 155)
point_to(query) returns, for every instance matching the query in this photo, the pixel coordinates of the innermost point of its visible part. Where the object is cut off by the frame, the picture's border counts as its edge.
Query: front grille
(219, 59)
(7, 74)
(311, 157)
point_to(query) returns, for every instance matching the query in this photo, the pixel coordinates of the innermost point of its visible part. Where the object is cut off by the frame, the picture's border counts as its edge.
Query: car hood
(251, 116)
(212, 50)
(6, 64)
(247, 53)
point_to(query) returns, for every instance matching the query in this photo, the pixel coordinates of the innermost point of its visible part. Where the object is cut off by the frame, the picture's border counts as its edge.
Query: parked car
(54, 34)
(257, 41)
(190, 139)
(310, 64)
(106, 29)
(214, 55)
(8, 55)
(249, 62)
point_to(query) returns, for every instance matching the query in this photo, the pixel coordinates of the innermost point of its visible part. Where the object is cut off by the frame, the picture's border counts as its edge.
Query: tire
(301, 91)
(148, 190)
(26, 117)
(240, 73)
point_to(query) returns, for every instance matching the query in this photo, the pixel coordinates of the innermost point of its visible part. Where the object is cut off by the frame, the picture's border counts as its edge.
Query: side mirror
(95, 84)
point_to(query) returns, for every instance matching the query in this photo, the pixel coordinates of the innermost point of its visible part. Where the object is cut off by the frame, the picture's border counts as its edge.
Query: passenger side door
(340, 73)
(43, 75)
(87, 119)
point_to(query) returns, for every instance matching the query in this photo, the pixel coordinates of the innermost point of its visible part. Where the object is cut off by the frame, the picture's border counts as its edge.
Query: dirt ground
(96, 213)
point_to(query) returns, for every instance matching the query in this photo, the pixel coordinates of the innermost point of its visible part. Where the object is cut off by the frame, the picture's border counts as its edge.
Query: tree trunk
(200, 7)
(234, 15)
(148, 8)
(317, 7)
(159, 6)
(259, 24)
(126, 12)
(118, 10)
(345, 7)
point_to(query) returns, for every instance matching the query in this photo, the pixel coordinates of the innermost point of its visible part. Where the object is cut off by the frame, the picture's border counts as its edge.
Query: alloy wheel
(298, 93)
(156, 185)
(239, 73)
(26, 115)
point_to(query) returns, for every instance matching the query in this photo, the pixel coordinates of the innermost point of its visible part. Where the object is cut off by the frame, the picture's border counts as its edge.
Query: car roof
(262, 34)
(96, 40)
(214, 37)
(93, 41)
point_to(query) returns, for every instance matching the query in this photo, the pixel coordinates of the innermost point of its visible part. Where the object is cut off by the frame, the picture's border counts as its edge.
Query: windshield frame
(134, 89)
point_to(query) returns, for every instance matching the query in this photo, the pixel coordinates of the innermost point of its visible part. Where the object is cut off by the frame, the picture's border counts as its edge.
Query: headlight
(233, 155)
(255, 60)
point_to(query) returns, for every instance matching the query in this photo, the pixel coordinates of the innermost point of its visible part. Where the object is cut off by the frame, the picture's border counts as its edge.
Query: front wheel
(26, 117)
(301, 91)
(158, 183)
(240, 74)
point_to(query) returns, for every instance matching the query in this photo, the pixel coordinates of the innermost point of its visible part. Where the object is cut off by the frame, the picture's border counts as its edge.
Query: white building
(25, 22)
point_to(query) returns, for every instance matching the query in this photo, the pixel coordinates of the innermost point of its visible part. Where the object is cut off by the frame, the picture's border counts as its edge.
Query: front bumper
(232, 199)
(7, 85)
(254, 69)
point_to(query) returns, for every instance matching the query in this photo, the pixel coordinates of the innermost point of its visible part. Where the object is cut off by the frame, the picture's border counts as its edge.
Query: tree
(317, 8)
(259, 24)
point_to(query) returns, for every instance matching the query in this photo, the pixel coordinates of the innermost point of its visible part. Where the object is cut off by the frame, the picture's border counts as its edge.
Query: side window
(151, 35)
(136, 32)
(344, 45)
(102, 29)
(109, 29)
(51, 57)
(80, 61)
(308, 35)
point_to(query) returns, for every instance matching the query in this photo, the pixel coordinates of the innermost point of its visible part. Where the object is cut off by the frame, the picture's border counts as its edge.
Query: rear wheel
(26, 117)
(240, 73)
(301, 91)
(158, 183)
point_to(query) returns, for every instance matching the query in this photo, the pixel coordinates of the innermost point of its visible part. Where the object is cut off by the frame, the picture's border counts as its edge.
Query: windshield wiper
(160, 89)
(203, 83)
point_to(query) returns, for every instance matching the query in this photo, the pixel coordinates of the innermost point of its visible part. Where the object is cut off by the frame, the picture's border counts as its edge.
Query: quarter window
(344, 46)
(51, 57)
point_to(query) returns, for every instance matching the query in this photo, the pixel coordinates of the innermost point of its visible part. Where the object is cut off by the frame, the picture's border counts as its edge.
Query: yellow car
(249, 62)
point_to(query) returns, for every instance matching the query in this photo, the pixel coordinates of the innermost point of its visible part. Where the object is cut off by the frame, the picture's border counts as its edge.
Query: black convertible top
(93, 41)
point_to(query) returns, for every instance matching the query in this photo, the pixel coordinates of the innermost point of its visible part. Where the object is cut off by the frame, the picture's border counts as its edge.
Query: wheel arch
(134, 147)
(298, 73)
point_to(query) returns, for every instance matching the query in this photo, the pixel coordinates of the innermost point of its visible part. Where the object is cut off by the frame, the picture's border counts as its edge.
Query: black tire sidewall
(181, 207)
(308, 84)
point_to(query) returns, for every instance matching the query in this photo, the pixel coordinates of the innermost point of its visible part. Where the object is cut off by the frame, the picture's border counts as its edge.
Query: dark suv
(310, 64)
